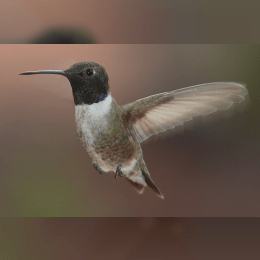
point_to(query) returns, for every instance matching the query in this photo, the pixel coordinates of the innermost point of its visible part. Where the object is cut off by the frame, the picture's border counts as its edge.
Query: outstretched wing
(163, 111)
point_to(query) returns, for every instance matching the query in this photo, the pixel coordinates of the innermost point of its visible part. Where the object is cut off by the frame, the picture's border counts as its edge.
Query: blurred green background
(212, 170)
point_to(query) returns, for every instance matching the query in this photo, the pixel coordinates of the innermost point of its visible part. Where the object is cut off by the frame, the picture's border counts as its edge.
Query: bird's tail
(151, 184)
(139, 187)
(143, 179)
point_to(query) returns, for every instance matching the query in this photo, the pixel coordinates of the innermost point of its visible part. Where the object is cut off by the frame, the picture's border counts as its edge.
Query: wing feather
(163, 111)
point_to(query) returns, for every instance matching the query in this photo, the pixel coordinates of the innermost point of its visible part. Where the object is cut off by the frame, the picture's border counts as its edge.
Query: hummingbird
(112, 134)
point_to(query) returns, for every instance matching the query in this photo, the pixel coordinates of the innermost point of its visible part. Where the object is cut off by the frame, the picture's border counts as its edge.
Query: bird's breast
(103, 134)
(94, 118)
(90, 123)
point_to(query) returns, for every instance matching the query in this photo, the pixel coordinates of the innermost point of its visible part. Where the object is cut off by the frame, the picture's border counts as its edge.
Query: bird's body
(103, 133)
(107, 137)
(112, 134)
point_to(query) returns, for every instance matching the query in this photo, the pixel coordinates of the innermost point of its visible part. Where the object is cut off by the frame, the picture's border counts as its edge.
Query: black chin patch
(88, 92)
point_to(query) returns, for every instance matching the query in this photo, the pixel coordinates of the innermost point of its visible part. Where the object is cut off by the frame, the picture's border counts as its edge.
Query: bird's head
(89, 81)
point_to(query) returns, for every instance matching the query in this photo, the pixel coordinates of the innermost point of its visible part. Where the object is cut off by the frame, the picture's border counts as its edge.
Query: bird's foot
(118, 171)
(97, 168)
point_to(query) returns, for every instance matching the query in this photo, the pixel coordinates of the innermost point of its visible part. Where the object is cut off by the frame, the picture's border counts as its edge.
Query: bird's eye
(90, 72)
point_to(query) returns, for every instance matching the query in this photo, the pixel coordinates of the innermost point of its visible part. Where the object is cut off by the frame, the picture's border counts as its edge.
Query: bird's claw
(118, 171)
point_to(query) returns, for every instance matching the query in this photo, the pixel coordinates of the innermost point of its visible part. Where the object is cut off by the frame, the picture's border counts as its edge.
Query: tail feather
(139, 187)
(152, 185)
(142, 178)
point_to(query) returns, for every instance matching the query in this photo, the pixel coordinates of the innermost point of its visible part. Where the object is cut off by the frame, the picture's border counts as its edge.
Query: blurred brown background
(129, 238)
(131, 21)
(212, 170)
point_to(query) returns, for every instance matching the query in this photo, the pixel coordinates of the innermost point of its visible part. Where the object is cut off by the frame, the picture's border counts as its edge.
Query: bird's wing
(163, 111)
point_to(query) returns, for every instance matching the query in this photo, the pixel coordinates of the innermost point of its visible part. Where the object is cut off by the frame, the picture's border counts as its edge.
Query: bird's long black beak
(57, 72)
